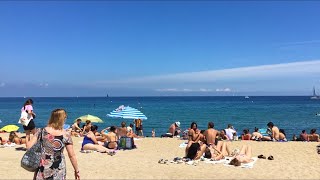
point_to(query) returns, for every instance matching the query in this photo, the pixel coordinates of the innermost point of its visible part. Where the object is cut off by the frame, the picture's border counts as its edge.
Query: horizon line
(155, 96)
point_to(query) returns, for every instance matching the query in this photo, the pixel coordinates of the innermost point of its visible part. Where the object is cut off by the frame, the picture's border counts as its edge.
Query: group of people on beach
(107, 139)
(215, 145)
(271, 133)
(210, 143)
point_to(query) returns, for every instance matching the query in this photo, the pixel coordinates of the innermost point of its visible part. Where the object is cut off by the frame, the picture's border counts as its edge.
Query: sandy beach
(292, 160)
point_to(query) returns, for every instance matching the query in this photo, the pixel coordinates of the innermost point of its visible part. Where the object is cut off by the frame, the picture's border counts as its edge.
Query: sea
(293, 114)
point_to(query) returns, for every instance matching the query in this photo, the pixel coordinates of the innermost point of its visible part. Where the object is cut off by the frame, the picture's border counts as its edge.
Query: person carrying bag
(31, 159)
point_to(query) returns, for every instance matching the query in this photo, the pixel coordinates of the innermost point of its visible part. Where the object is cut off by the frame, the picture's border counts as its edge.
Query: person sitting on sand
(112, 139)
(282, 135)
(313, 136)
(303, 136)
(196, 150)
(174, 129)
(194, 135)
(210, 134)
(222, 136)
(218, 152)
(130, 132)
(14, 138)
(274, 136)
(230, 132)
(244, 156)
(86, 127)
(256, 135)
(76, 126)
(2, 141)
(90, 142)
(246, 135)
(104, 131)
(122, 131)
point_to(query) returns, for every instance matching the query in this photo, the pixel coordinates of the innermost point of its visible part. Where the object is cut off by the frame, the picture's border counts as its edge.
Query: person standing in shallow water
(55, 138)
(31, 127)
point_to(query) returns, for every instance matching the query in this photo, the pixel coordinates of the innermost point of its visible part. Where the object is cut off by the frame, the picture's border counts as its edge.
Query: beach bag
(126, 143)
(31, 159)
(25, 118)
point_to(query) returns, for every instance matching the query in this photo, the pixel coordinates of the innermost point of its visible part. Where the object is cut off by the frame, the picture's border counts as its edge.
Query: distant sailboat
(314, 96)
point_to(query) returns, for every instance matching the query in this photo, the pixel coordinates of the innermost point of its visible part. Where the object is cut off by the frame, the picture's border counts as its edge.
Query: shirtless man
(210, 134)
(76, 126)
(313, 136)
(274, 133)
(174, 129)
(112, 139)
(122, 132)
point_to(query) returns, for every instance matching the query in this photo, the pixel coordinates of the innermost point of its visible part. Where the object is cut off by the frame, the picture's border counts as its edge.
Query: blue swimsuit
(86, 140)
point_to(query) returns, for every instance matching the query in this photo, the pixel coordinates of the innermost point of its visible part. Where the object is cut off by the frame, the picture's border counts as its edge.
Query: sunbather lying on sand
(14, 138)
(218, 152)
(244, 156)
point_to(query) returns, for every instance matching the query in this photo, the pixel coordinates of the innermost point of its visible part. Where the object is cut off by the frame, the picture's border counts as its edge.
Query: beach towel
(263, 131)
(209, 161)
(243, 165)
(183, 145)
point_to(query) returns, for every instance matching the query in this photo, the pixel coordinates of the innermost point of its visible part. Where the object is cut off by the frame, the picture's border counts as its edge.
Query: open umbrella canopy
(89, 117)
(9, 128)
(127, 112)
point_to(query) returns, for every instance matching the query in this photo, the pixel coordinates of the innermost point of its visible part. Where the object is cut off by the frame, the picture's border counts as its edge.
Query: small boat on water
(247, 97)
(314, 96)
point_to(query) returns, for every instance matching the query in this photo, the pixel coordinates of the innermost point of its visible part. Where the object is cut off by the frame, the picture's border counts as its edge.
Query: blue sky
(159, 48)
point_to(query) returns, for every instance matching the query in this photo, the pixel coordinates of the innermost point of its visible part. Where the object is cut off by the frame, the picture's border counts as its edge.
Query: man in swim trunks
(210, 134)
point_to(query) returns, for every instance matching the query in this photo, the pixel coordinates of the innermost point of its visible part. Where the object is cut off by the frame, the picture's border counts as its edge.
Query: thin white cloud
(193, 90)
(301, 42)
(2, 84)
(273, 71)
(205, 90)
(44, 85)
(223, 90)
(167, 90)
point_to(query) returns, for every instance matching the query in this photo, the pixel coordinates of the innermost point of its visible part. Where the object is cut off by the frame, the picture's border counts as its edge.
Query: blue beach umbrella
(127, 112)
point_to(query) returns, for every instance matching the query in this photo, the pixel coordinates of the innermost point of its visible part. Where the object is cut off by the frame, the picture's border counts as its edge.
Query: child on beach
(153, 132)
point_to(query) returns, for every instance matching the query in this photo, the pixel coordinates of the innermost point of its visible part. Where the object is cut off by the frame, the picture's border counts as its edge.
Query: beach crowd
(210, 143)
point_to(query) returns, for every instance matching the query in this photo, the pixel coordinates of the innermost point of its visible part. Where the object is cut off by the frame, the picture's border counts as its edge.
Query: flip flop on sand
(261, 156)
(270, 158)
(111, 153)
(160, 161)
(21, 149)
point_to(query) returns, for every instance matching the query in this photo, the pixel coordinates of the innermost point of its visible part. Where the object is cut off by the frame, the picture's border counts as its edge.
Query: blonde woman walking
(52, 164)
